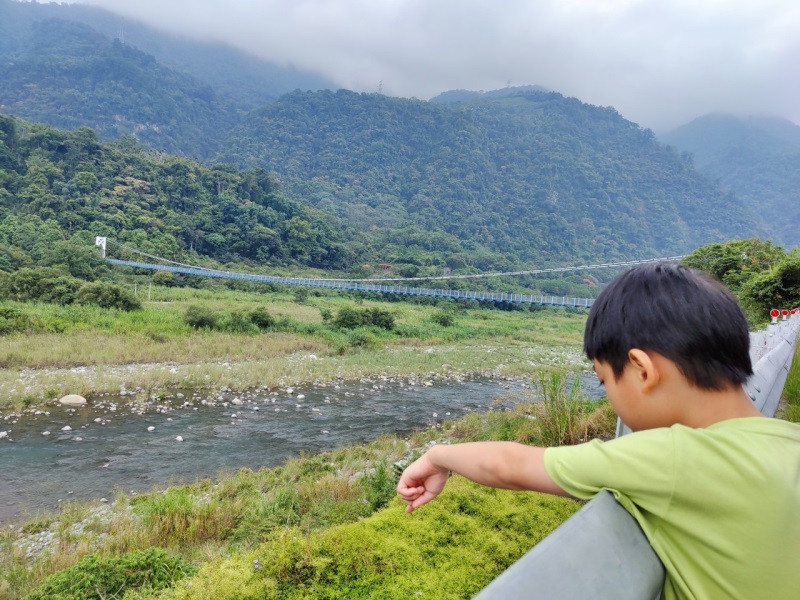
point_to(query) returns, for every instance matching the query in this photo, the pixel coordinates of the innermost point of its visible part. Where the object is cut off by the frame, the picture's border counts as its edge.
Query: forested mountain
(757, 158)
(243, 81)
(58, 190)
(472, 180)
(58, 69)
(533, 175)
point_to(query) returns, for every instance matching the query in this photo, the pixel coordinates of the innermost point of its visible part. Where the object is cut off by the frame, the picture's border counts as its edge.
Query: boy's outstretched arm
(505, 465)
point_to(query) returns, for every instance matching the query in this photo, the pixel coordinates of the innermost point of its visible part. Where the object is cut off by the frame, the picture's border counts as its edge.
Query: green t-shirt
(720, 505)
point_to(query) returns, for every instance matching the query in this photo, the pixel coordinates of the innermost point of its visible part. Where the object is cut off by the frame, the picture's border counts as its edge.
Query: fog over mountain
(658, 63)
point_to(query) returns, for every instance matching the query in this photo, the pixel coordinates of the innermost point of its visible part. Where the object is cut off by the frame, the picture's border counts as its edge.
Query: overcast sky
(658, 62)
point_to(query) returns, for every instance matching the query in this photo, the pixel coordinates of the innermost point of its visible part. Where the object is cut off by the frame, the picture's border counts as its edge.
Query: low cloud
(660, 63)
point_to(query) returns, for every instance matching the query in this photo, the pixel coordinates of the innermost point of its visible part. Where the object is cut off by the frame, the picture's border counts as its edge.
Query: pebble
(179, 439)
(66, 428)
(151, 428)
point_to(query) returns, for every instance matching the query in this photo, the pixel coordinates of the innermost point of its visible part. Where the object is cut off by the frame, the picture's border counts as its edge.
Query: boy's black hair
(682, 314)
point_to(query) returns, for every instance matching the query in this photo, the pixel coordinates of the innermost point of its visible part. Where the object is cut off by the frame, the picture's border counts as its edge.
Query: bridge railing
(601, 552)
(343, 284)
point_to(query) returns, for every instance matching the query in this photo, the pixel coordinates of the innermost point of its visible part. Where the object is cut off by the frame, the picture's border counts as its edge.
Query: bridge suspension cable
(627, 263)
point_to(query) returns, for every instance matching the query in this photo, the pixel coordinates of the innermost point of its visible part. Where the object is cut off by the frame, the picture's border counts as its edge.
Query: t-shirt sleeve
(638, 468)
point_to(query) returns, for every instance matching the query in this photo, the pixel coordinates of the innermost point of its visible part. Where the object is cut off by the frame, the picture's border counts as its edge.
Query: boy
(714, 485)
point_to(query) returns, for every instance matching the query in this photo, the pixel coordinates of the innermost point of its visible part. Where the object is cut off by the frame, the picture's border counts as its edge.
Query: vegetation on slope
(70, 76)
(758, 159)
(57, 186)
(762, 276)
(534, 175)
(240, 80)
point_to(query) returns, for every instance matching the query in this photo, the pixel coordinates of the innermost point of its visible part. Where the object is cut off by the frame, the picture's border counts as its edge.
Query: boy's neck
(703, 408)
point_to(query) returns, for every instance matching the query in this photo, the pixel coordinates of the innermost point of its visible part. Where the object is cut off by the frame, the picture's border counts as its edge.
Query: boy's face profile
(634, 395)
(621, 393)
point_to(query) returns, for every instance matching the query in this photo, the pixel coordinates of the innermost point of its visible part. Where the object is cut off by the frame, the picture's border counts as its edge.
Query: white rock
(300, 396)
(151, 428)
(98, 420)
(45, 433)
(66, 428)
(72, 400)
(237, 402)
(3, 434)
(179, 439)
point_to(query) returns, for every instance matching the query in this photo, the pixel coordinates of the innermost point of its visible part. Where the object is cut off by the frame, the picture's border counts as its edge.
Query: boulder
(72, 400)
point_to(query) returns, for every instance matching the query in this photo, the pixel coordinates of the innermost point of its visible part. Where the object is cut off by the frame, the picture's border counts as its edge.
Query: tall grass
(790, 409)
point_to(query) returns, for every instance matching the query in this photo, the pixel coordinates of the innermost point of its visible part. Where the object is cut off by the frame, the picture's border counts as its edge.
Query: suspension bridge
(379, 285)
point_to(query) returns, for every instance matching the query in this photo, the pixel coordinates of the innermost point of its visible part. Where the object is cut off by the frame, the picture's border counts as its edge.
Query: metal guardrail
(601, 552)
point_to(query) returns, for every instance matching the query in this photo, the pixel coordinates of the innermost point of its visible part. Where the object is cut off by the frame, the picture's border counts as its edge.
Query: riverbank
(138, 361)
(337, 497)
(98, 352)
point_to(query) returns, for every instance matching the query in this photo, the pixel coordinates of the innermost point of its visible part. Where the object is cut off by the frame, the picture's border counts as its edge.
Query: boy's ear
(646, 370)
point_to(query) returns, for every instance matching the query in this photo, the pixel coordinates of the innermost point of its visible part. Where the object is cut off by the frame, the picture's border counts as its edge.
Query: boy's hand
(421, 482)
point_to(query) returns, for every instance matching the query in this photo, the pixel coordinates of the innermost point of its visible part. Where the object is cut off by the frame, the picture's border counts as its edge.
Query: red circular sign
(774, 312)
(784, 312)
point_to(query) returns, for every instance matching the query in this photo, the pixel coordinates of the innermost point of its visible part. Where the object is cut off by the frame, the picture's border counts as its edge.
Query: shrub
(95, 577)
(200, 317)
(165, 278)
(107, 295)
(261, 318)
(443, 318)
(238, 322)
(380, 486)
(381, 318)
(301, 295)
(44, 284)
(351, 318)
(13, 320)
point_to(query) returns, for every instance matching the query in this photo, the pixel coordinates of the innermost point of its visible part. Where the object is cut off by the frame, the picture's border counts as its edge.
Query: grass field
(53, 350)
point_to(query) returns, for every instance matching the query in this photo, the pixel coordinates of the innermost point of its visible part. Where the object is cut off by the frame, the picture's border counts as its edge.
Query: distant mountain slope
(56, 185)
(534, 175)
(56, 68)
(454, 96)
(68, 75)
(756, 158)
(239, 79)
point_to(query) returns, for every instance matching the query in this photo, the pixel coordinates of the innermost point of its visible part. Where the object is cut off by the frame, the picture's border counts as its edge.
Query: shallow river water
(109, 446)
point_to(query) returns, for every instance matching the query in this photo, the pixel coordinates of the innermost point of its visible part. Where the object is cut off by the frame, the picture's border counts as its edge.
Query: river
(113, 445)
